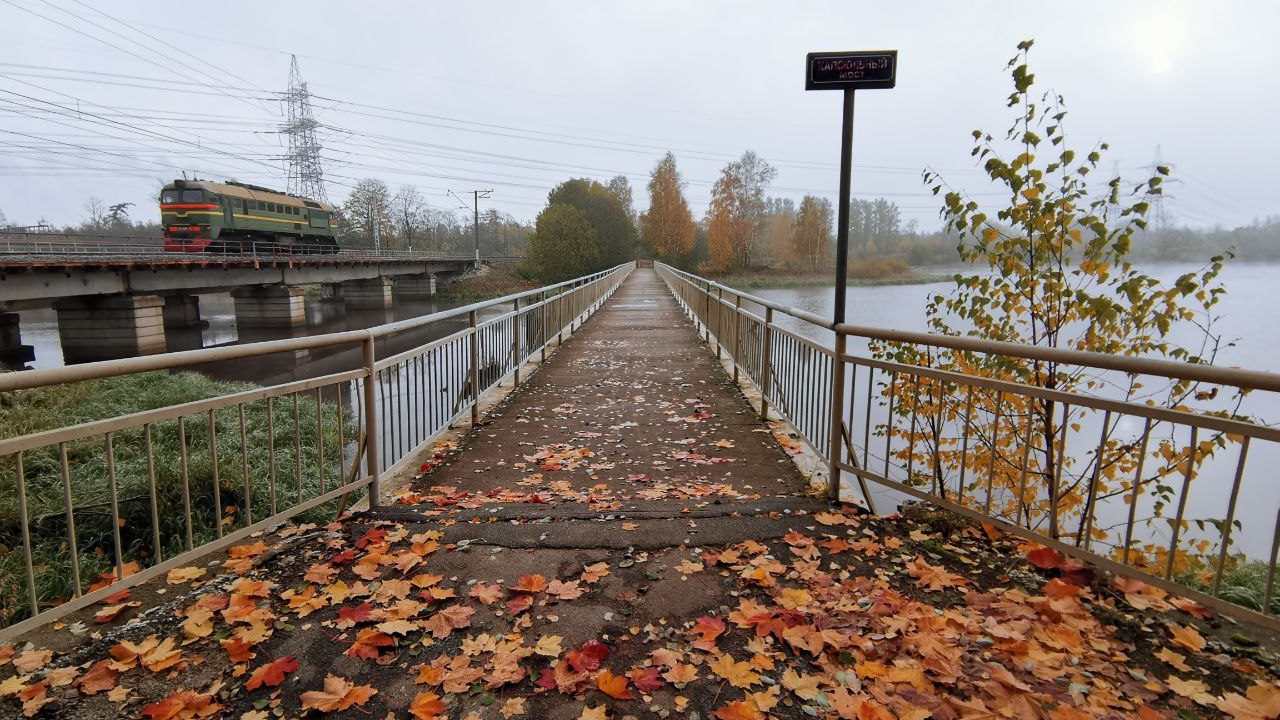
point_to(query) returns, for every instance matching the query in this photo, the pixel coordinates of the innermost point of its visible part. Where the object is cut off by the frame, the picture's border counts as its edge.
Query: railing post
(370, 419)
(766, 363)
(719, 321)
(737, 325)
(515, 343)
(475, 368)
(706, 314)
(544, 335)
(837, 418)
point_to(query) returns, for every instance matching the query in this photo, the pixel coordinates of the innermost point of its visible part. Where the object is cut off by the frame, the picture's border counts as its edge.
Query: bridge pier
(261, 306)
(371, 294)
(416, 286)
(12, 352)
(109, 327)
(183, 311)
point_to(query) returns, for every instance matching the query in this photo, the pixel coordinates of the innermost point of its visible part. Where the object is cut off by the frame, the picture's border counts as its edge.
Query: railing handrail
(1218, 375)
(111, 368)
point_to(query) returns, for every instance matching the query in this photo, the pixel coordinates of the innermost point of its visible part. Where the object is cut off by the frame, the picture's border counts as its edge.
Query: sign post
(848, 71)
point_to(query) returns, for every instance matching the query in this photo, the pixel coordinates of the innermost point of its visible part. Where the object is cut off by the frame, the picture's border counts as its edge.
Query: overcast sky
(100, 98)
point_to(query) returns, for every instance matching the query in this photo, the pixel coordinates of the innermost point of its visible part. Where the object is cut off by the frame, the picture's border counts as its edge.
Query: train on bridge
(203, 216)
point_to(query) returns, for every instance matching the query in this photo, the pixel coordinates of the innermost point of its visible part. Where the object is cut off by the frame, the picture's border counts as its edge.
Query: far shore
(759, 281)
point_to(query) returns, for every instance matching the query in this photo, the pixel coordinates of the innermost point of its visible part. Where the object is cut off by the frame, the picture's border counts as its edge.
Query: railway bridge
(115, 301)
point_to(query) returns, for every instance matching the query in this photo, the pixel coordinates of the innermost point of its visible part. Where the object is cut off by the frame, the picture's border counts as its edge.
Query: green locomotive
(202, 216)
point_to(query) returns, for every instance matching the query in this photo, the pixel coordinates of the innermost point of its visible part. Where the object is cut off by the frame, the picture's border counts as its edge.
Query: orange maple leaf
(615, 686)
(738, 710)
(426, 706)
(182, 705)
(449, 619)
(1187, 637)
(530, 584)
(272, 674)
(99, 677)
(238, 651)
(681, 674)
(739, 674)
(338, 694)
(933, 578)
(707, 629)
(487, 593)
(592, 573)
(368, 643)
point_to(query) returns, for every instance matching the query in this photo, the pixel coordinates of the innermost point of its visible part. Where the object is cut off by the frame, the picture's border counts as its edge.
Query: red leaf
(349, 616)
(272, 674)
(587, 659)
(646, 680)
(1045, 558)
(546, 679)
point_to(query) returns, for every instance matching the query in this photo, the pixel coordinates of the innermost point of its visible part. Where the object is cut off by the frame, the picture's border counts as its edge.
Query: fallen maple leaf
(177, 576)
(738, 710)
(615, 686)
(31, 660)
(368, 644)
(182, 705)
(530, 584)
(34, 698)
(707, 629)
(487, 593)
(592, 573)
(1045, 558)
(646, 679)
(512, 707)
(1187, 637)
(426, 706)
(739, 674)
(933, 578)
(681, 674)
(101, 676)
(272, 674)
(564, 590)
(338, 694)
(593, 713)
(588, 657)
(447, 620)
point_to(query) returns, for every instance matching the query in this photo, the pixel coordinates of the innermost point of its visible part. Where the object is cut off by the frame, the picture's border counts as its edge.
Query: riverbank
(491, 281)
(764, 280)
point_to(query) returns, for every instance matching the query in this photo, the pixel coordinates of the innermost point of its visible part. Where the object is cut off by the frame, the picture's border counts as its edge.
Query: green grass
(298, 475)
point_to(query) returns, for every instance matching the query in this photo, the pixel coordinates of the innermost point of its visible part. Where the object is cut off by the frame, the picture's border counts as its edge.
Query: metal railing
(154, 490)
(1158, 492)
(35, 245)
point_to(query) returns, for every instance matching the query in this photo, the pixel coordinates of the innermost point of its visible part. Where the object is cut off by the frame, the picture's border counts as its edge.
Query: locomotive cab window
(192, 196)
(169, 197)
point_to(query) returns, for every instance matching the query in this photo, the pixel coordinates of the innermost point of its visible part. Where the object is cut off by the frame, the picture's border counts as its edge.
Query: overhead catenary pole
(476, 197)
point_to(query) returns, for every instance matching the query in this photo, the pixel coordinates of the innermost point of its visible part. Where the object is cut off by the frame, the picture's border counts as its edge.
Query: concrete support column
(109, 327)
(416, 286)
(261, 306)
(372, 294)
(12, 352)
(183, 311)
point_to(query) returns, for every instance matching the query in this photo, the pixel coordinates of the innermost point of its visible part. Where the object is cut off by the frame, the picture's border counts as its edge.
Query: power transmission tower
(1159, 212)
(306, 177)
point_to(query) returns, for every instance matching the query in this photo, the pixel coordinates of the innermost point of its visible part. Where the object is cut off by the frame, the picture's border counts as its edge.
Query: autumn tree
(667, 228)
(811, 241)
(875, 226)
(737, 213)
(614, 232)
(776, 238)
(1054, 272)
(367, 208)
(563, 245)
(620, 186)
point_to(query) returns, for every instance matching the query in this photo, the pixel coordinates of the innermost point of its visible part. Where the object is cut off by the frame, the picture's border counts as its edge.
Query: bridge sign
(861, 70)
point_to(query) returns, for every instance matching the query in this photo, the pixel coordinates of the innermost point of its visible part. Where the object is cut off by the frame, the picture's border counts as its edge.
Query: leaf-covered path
(622, 538)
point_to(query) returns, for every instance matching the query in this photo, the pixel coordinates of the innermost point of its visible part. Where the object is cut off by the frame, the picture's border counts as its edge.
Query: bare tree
(96, 211)
(408, 212)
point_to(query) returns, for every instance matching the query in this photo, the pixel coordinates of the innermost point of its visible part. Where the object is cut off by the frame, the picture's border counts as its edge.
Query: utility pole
(377, 236)
(476, 196)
